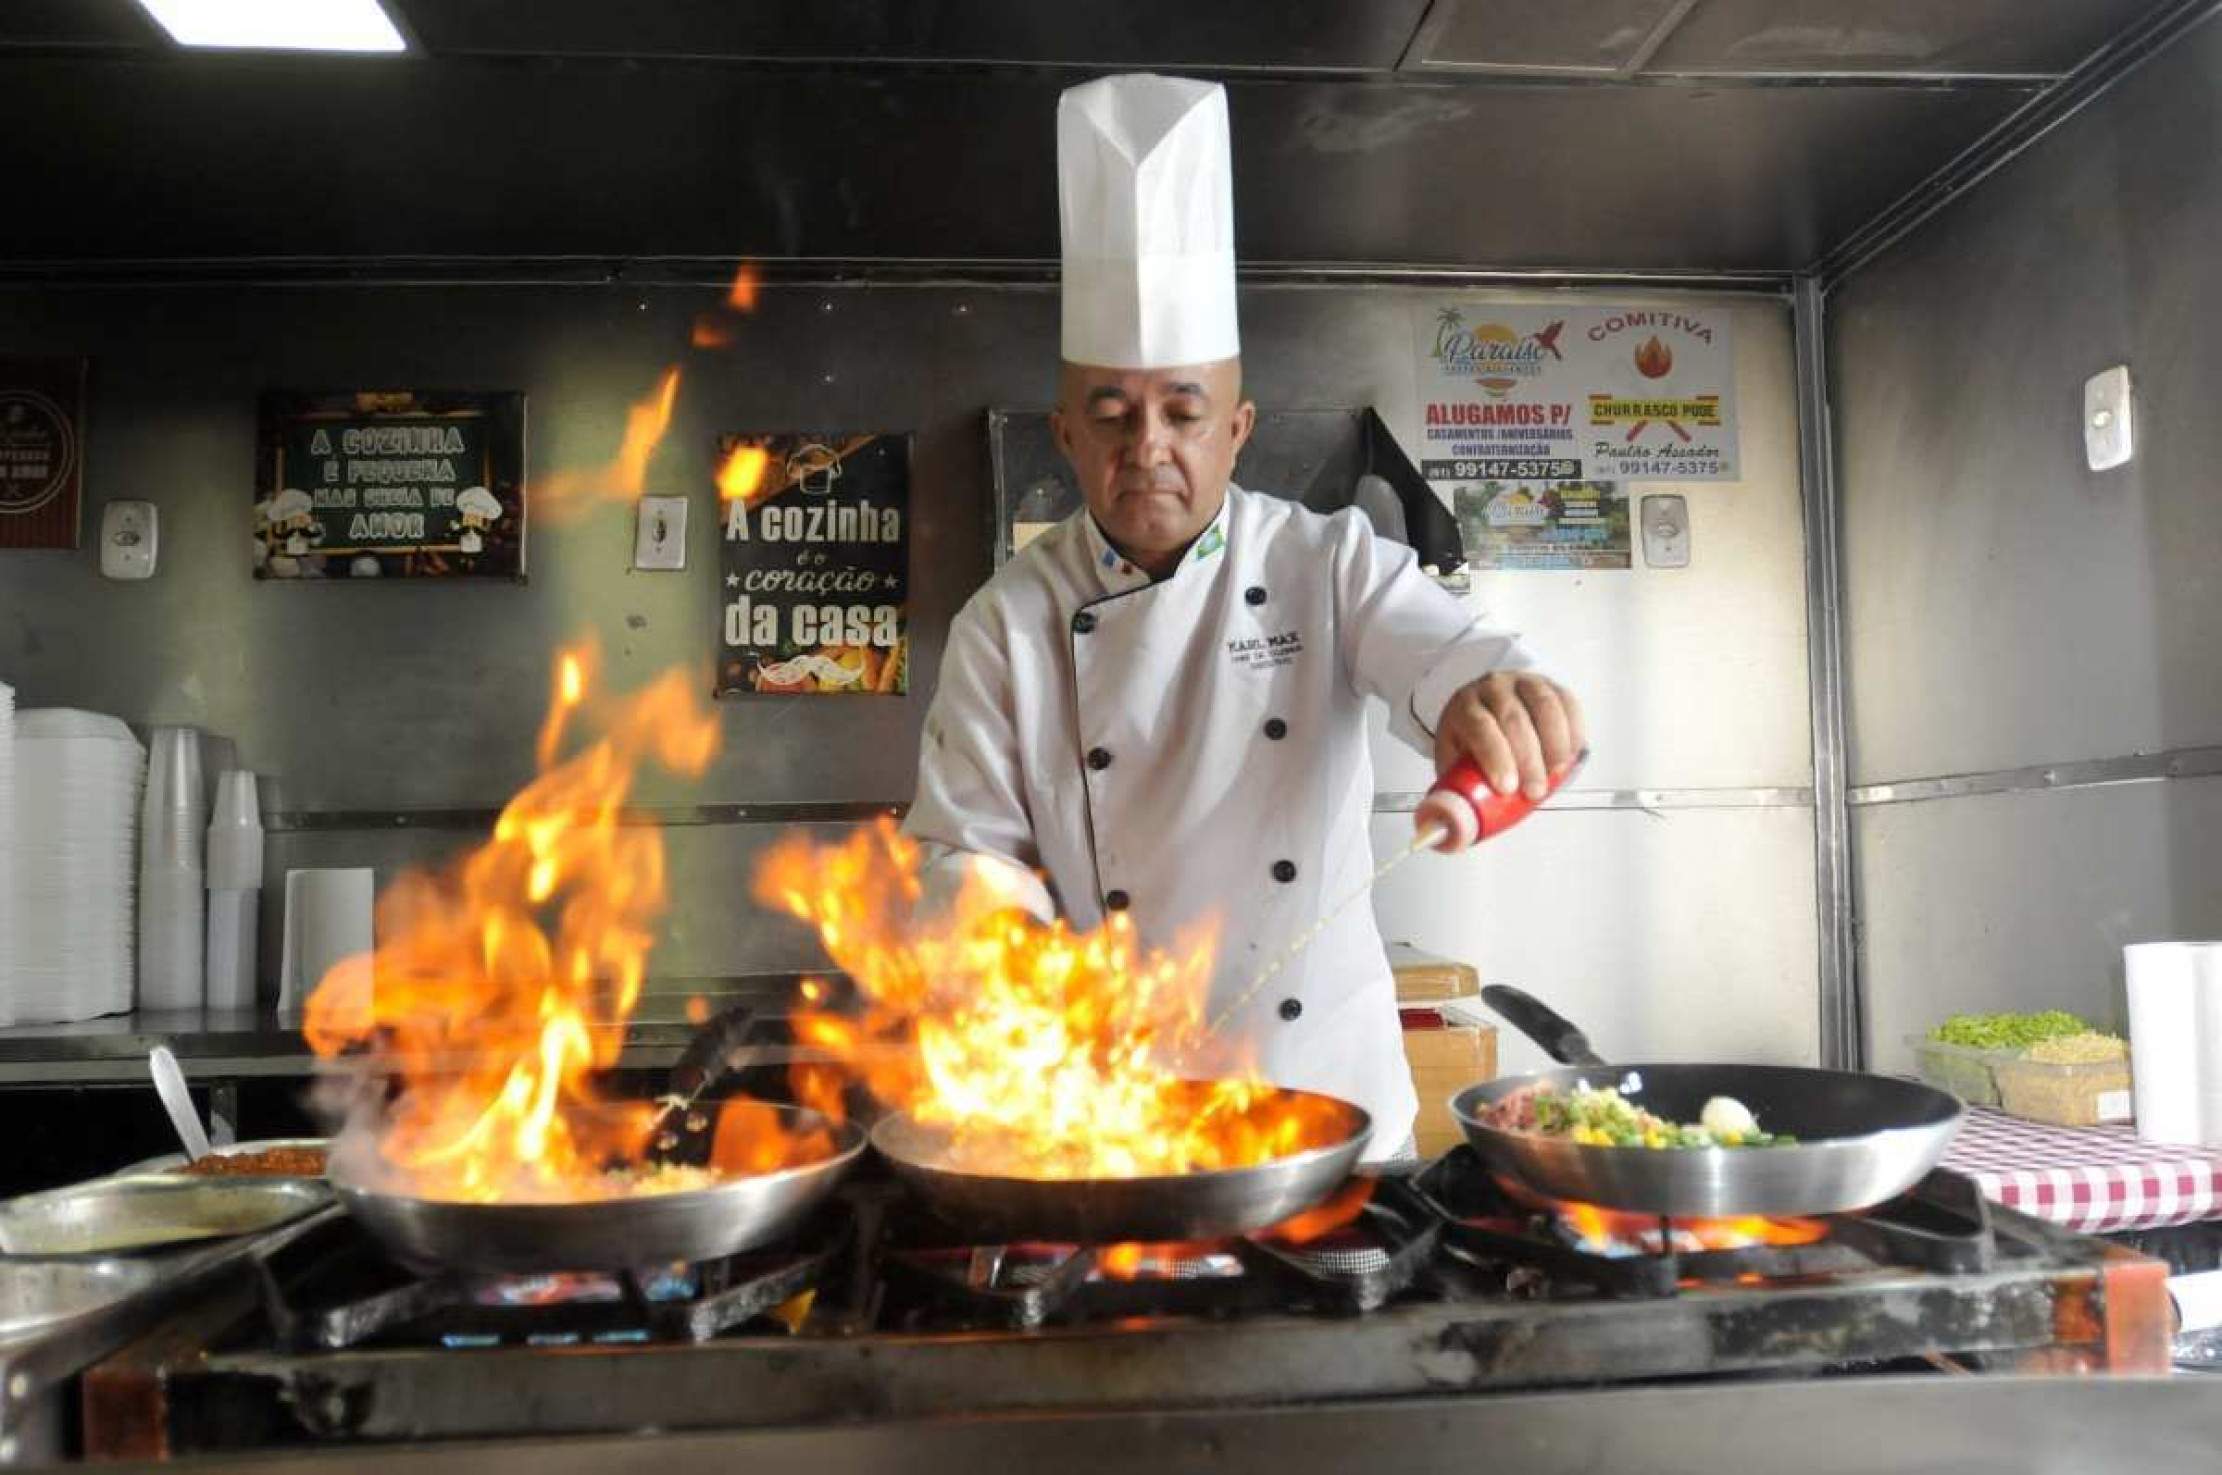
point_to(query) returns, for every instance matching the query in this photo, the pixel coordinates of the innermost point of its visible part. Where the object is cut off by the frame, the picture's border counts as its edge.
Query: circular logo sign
(38, 451)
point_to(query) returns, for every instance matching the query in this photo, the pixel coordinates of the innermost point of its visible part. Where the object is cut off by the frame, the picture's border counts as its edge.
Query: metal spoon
(169, 1084)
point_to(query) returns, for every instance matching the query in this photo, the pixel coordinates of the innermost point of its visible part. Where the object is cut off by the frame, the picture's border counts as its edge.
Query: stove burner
(1941, 1225)
(321, 1292)
(1355, 1268)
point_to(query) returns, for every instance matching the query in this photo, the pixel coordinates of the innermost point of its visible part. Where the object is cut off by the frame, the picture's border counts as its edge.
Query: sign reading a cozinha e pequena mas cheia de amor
(397, 484)
(815, 564)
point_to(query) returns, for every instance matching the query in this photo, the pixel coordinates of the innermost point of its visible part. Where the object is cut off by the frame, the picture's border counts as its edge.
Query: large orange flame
(1043, 1052)
(741, 474)
(501, 986)
(1602, 1229)
(625, 477)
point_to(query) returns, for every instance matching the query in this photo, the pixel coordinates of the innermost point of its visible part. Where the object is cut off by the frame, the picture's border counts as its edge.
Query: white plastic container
(77, 782)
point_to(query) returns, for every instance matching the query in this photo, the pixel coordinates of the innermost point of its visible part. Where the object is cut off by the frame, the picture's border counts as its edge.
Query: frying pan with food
(1860, 1139)
(1007, 1206)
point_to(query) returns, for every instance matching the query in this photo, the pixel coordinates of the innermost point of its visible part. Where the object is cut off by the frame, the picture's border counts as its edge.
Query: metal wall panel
(427, 696)
(2025, 901)
(2007, 609)
(277, 157)
(1682, 936)
(2004, 606)
(1692, 678)
(713, 928)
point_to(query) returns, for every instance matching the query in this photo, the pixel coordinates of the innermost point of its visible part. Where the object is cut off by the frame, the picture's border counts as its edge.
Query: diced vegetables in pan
(1602, 1117)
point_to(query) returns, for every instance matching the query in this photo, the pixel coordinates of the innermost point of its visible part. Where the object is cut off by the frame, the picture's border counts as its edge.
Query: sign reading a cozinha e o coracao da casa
(815, 564)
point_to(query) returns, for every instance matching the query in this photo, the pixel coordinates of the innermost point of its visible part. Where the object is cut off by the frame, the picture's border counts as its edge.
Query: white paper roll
(2162, 981)
(2198, 1299)
(2206, 972)
(327, 918)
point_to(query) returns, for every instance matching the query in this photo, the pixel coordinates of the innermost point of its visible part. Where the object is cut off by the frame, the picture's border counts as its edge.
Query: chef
(1158, 707)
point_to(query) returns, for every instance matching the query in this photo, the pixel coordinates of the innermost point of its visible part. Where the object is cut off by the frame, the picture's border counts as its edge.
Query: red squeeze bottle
(1463, 806)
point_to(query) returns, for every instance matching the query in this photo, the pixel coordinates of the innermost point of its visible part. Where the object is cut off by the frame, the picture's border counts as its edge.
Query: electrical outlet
(127, 540)
(2109, 426)
(660, 537)
(1665, 520)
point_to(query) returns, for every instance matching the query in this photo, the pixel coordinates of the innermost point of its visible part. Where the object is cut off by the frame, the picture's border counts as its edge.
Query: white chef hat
(1145, 197)
(479, 502)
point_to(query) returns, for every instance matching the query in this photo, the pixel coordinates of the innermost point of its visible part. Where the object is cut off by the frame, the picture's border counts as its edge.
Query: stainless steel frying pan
(604, 1234)
(1087, 1211)
(1861, 1139)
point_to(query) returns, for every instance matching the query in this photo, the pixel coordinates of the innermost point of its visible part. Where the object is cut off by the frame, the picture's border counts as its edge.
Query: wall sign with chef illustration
(390, 484)
(42, 451)
(815, 571)
(1564, 394)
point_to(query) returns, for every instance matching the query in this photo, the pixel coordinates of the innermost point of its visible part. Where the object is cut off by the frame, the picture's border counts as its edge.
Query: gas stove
(1439, 1282)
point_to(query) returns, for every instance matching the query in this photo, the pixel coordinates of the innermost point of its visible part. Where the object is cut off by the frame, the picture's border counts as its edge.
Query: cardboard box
(1444, 1061)
(1424, 978)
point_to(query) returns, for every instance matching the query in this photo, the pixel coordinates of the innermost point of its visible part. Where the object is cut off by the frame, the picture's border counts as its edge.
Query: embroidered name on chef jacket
(1263, 652)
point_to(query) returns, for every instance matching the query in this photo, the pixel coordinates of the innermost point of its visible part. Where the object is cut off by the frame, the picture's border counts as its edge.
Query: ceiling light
(279, 25)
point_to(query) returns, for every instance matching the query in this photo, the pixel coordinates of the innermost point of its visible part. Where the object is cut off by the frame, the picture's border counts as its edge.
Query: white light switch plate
(127, 540)
(2109, 420)
(660, 537)
(1665, 520)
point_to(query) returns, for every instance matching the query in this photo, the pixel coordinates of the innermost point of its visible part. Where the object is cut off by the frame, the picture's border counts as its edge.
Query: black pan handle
(1559, 1036)
(680, 1133)
(709, 1055)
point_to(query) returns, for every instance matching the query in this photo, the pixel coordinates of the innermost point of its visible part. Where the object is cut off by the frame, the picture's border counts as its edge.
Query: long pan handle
(1559, 1036)
(680, 1133)
(710, 1053)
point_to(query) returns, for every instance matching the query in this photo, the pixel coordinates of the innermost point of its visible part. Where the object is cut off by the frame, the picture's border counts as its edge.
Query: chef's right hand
(1518, 727)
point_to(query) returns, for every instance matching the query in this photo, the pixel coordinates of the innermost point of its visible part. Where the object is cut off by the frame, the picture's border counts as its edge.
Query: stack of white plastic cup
(234, 888)
(173, 836)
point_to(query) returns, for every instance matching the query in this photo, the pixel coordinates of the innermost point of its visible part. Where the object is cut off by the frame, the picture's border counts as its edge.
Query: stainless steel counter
(1916, 1426)
(221, 1045)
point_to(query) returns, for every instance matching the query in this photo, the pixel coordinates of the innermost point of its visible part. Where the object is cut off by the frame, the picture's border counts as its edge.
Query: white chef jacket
(1194, 750)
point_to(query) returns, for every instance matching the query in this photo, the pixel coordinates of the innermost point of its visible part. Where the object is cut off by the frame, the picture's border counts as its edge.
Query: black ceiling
(1705, 135)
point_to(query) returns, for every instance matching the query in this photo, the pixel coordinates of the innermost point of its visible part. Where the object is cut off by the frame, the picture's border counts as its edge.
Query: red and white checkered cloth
(2095, 1180)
